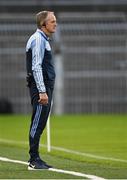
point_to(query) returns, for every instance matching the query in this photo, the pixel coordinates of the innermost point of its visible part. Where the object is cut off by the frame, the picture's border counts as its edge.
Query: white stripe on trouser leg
(36, 121)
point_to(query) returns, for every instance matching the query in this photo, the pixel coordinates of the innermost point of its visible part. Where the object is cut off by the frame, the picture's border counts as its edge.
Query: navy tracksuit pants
(39, 118)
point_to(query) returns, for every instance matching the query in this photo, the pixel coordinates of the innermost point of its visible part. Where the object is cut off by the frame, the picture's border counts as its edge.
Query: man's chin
(53, 30)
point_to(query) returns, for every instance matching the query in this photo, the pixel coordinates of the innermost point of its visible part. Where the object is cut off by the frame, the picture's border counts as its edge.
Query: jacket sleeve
(38, 48)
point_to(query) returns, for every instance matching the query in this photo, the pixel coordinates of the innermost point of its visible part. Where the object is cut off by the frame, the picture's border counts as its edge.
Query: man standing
(40, 78)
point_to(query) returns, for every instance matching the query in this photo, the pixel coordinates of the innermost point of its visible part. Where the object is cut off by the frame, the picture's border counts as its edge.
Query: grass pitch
(96, 144)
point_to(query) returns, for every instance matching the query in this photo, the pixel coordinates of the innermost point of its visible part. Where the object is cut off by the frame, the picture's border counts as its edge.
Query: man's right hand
(43, 98)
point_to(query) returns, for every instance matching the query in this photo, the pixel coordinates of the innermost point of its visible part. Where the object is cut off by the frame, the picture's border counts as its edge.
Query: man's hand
(43, 98)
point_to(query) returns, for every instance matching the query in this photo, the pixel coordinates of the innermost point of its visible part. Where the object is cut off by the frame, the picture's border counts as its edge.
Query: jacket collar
(43, 34)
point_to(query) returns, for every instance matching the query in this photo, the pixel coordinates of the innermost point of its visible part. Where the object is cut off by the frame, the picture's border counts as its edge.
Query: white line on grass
(56, 170)
(88, 155)
(68, 151)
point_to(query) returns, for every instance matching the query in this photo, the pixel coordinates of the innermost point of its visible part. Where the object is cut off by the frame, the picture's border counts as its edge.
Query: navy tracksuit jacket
(40, 78)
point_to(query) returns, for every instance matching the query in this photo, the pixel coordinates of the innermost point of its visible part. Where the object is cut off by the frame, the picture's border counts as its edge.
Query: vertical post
(48, 135)
(48, 130)
(58, 60)
(58, 95)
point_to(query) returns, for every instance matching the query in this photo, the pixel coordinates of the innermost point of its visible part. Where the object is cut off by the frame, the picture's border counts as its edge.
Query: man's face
(51, 23)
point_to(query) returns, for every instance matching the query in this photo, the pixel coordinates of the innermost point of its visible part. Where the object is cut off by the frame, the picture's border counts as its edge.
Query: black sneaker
(38, 164)
(43, 162)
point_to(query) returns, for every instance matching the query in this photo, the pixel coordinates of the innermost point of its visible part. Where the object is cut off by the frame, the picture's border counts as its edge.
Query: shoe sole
(33, 169)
